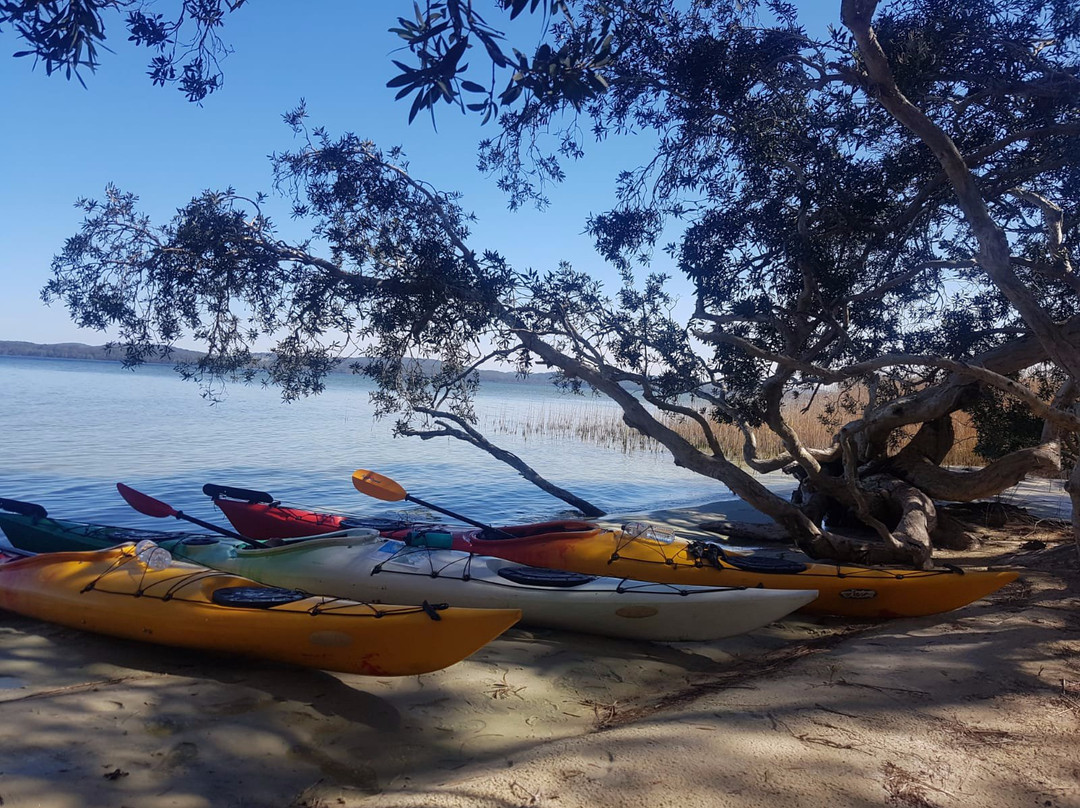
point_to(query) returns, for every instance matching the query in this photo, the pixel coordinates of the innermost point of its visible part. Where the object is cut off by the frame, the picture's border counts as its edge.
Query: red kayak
(258, 515)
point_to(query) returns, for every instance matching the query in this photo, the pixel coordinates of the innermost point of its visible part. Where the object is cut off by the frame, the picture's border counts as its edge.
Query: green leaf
(417, 105)
(402, 79)
(517, 7)
(510, 94)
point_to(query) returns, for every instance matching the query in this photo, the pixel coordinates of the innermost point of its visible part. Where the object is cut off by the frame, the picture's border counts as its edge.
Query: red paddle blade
(144, 504)
(378, 486)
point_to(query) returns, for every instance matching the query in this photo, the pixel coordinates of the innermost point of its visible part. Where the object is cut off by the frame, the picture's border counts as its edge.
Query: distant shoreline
(79, 350)
(102, 353)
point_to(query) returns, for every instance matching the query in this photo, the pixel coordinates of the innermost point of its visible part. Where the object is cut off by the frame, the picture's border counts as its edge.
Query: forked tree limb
(994, 252)
(454, 426)
(967, 486)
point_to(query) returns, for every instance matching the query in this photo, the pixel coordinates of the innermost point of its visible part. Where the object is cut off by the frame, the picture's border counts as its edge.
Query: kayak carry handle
(254, 497)
(31, 509)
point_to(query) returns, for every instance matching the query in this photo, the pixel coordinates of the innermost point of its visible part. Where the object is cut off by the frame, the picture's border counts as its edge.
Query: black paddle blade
(31, 509)
(232, 492)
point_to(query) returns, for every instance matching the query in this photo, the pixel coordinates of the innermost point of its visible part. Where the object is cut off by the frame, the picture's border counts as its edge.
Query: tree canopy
(67, 36)
(892, 207)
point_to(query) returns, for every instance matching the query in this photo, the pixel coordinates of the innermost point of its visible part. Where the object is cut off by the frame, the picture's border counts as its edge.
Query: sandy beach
(980, 706)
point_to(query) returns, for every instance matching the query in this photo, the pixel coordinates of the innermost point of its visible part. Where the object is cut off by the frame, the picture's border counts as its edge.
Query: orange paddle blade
(378, 486)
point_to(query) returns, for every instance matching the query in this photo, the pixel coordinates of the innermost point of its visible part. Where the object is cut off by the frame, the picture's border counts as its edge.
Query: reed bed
(600, 423)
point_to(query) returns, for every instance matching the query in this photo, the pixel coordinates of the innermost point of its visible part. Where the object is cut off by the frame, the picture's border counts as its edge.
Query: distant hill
(78, 350)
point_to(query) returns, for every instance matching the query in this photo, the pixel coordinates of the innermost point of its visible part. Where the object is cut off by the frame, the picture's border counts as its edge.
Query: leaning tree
(890, 207)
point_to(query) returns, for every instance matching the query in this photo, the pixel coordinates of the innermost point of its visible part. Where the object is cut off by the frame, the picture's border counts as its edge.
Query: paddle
(160, 510)
(31, 509)
(254, 497)
(380, 487)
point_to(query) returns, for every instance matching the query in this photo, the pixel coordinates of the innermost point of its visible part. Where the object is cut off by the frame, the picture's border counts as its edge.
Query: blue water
(70, 429)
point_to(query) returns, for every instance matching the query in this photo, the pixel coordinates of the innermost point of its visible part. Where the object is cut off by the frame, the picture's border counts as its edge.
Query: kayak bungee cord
(176, 583)
(705, 553)
(624, 585)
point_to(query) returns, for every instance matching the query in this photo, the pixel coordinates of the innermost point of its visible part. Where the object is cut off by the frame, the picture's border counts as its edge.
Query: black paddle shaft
(458, 516)
(218, 529)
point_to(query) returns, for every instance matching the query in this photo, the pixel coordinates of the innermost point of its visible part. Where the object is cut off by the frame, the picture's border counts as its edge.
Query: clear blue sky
(62, 141)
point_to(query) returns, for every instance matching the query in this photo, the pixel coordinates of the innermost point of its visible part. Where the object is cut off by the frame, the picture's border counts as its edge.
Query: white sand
(977, 707)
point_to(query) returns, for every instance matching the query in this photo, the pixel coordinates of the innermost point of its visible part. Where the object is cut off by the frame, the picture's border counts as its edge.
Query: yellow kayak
(649, 555)
(116, 592)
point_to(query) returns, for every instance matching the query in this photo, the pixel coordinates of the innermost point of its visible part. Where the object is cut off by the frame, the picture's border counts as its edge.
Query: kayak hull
(365, 566)
(384, 569)
(45, 535)
(112, 592)
(850, 591)
(845, 590)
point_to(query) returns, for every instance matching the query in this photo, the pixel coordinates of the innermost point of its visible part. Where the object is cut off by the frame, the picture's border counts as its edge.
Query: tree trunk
(1073, 487)
(988, 481)
(994, 254)
(932, 443)
(907, 517)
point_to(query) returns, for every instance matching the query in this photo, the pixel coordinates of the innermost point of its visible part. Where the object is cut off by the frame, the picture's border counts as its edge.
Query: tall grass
(601, 424)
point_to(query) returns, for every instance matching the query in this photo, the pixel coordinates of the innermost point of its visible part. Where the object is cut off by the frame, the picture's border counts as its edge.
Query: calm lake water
(70, 430)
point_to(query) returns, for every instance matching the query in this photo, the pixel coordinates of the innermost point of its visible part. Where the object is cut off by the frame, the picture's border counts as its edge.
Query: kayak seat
(245, 494)
(135, 534)
(765, 564)
(538, 529)
(200, 541)
(714, 554)
(256, 597)
(373, 523)
(537, 576)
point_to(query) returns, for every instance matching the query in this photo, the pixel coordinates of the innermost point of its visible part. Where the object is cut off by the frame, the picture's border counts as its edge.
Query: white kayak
(363, 566)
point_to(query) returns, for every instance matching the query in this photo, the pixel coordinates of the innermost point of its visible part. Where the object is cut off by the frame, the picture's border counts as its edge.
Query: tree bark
(908, 542)
(932, 443)
(990, 480)
(1072, 486)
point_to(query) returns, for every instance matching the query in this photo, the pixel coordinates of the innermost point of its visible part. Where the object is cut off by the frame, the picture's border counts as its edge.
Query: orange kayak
(114, 592)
